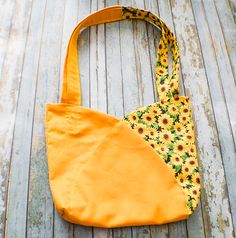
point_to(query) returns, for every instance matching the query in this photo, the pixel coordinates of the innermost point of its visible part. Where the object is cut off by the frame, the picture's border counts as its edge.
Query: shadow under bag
(138, 170)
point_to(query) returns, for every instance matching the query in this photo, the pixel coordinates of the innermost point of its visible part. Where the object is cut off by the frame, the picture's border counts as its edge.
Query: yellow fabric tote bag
(138, 170)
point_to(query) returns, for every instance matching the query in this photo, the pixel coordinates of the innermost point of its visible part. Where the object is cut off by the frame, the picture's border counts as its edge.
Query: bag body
(138, 170)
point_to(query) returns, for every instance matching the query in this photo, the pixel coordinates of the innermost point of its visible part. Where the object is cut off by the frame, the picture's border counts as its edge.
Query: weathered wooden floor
(117, 70)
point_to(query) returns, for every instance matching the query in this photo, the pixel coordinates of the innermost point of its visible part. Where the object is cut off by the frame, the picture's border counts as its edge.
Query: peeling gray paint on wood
(115, 78)
(215, 205)
(13, 40)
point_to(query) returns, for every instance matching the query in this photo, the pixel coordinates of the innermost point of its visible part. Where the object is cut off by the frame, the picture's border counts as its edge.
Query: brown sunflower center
(134, 117)
(166, 136)
(165, 121)
(140, 130)
(163, 89)
(148, 118)
(180, 147)
(152, 133)
(185, 110)
(189, 137)
(192, 162)
(176, 98)
(177, 159)
(198, 180)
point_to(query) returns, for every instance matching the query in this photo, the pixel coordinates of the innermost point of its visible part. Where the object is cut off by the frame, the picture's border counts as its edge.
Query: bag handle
(167, 87)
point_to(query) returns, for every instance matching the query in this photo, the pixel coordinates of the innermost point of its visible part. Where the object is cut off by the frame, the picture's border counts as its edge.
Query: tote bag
(138, 170)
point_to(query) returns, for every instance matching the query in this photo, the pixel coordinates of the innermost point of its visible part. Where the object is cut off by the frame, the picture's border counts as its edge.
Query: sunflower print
(166, 86)
(168, 126)
(162, 126)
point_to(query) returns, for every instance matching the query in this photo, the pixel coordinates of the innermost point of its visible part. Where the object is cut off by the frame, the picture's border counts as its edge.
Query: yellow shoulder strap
(167, 87)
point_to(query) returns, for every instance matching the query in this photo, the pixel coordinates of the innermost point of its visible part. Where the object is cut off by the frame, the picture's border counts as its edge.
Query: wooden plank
(128, 66)
(63, 228)
(196, 220)
(225, 69)
(217, 216)
(154, 36)
(113, 66)
(18, 186)
(142, 59)
(40, 204)
(14, 35)
(219, 104)
(228, 27)
(6, 13)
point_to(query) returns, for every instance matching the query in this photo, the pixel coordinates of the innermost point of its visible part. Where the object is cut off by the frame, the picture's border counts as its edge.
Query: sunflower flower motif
(152, 143)
(189, 138)
(141, 129)
(192, 150)
(178, 99)
(161, 71)
(180, 148)
(148, 118)
(155, 110)
(184, 119)
(176, 160)
(133, 118)
(185, 111)
(174, 85)
(178, 127)
(194, 192)
(186, 169)
(163, 61)
(152, 132)
(173, 110)
(196, 179)
(162, 149)
(166, 137)
(165, 121)
(181, 178)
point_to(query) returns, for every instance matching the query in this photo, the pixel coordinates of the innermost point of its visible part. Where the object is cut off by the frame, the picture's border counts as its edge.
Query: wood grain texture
(40, 219)
(117, 70)
(7, 12)
(11, 75)
(218, 100)
(216, 209)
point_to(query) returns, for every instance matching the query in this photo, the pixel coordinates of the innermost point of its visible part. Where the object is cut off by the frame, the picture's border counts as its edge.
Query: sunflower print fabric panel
(168, 128)
(167, 87)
